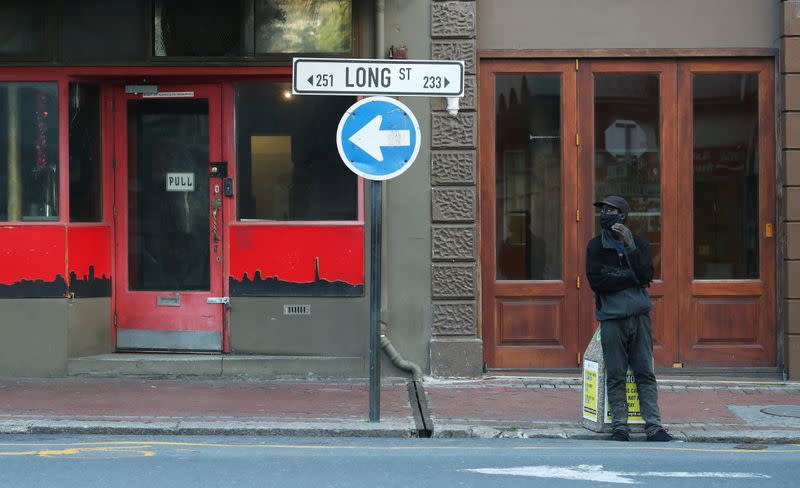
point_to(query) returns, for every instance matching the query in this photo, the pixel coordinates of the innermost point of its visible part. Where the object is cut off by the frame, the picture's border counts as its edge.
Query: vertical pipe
(376, 217)
(14, 170)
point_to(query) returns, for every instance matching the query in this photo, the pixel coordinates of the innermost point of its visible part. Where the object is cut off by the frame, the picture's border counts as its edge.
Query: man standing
(619, 267)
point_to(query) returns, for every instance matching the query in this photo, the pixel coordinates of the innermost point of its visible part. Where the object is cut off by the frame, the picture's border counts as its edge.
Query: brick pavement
(499, 404)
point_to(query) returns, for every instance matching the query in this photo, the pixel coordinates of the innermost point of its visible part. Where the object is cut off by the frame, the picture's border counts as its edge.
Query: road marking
(46, 453)
(596, 473)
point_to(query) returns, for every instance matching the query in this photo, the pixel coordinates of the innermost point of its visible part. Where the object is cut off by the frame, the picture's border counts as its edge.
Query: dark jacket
(619, 288)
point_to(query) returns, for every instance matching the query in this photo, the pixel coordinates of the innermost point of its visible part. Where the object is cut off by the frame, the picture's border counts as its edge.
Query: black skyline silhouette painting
(272, 286)
(56, 288)
(89, 286)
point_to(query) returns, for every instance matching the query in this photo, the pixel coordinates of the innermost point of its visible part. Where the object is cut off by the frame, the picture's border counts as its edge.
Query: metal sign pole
(375, 302)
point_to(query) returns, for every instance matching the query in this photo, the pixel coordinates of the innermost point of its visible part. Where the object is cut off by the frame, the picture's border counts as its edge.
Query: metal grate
(297, 310)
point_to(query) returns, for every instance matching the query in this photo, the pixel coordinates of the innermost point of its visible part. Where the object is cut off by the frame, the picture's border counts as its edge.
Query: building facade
(156, 162)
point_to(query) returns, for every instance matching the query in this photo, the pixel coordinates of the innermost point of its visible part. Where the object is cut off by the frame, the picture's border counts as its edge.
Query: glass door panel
(528, 168)
(168, 207)
(627, 150)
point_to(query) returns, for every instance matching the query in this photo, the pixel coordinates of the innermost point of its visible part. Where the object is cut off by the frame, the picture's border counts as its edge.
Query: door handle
(220, 300)
(216, 204)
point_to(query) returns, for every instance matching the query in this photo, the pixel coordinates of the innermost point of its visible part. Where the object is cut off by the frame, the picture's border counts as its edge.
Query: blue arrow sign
(378, 138)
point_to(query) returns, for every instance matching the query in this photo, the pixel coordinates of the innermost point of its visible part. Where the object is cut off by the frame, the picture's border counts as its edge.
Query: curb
(681, 434)
(389, 429)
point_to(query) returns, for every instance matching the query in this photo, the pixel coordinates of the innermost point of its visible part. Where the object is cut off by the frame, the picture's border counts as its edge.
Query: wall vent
(297, 310)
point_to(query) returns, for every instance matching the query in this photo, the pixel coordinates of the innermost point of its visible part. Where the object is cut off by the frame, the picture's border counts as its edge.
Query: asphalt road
(105, 461)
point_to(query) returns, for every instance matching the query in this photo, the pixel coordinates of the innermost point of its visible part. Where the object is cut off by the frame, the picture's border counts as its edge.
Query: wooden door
(627, 148)
(727, 208)
(528, 228)
(167, 222)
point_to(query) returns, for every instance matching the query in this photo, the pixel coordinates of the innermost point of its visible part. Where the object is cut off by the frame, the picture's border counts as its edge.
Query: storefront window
(240, 28)
(291, 26)
(85, 173)
(726, 220)
(28, 152)
(288, 165)
(627, 159)
(528, 191)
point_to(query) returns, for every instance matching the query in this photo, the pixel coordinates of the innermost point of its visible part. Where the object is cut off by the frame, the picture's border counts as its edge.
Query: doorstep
(257, 366)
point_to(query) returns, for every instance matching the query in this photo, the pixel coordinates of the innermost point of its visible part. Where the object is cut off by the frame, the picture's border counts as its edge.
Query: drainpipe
(386, 344)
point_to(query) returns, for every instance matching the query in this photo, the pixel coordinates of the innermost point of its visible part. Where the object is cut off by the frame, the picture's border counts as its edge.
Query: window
(85, 173)
(239, 28)
(22, 28)
(28, 152)
(102, 30)
(288, 165)
(291, 26)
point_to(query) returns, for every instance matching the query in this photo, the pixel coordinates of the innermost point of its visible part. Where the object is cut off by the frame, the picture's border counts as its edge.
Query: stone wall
(456, 349)
(789, 191)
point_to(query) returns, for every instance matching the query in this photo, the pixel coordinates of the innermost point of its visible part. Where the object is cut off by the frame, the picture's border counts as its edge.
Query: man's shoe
(620, 435)
(660, 435)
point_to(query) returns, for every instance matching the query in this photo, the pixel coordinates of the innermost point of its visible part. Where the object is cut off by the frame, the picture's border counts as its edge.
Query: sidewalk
(488, 407)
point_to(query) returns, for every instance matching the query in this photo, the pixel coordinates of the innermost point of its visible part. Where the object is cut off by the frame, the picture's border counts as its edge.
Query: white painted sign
(180, 94)
(180, 181)
(324, 76)
(596, 473)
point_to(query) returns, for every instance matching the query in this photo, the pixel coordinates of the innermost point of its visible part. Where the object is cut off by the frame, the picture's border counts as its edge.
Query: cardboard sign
(590, 386)
(632, 395)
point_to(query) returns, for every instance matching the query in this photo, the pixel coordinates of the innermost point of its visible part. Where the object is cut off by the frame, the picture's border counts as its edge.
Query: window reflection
(628, 150)
(289, 26)
(528, 177)
(725, 155)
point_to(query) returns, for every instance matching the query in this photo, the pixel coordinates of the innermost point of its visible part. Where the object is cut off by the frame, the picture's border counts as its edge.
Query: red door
(168, 219)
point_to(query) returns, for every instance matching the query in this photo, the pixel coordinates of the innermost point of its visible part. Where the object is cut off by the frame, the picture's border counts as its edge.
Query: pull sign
(180, 181)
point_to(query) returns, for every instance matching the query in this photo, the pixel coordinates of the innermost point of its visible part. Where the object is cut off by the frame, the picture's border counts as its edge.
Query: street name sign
(424, 78)
(378, 138)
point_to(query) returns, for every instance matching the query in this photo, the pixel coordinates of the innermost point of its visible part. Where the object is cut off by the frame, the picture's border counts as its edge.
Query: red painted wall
(89, 246)
(288, 252)
(32, 253)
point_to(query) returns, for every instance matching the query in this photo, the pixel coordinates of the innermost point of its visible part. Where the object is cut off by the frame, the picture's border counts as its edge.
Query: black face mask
(608, 219)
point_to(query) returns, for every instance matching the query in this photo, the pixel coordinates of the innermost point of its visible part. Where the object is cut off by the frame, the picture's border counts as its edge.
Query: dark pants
(630, 341)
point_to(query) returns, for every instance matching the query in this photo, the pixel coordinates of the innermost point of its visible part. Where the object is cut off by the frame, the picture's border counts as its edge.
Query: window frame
(62, 92)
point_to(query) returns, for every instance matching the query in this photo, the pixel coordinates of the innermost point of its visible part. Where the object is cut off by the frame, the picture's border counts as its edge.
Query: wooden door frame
(765, 285)
(663, 290)
(486, 182)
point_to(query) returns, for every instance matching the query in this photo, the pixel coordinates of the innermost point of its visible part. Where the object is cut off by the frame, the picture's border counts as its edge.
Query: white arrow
(596, 474)
(371, 138)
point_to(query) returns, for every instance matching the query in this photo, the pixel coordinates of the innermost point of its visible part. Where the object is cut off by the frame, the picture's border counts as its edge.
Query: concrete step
(257, 366)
